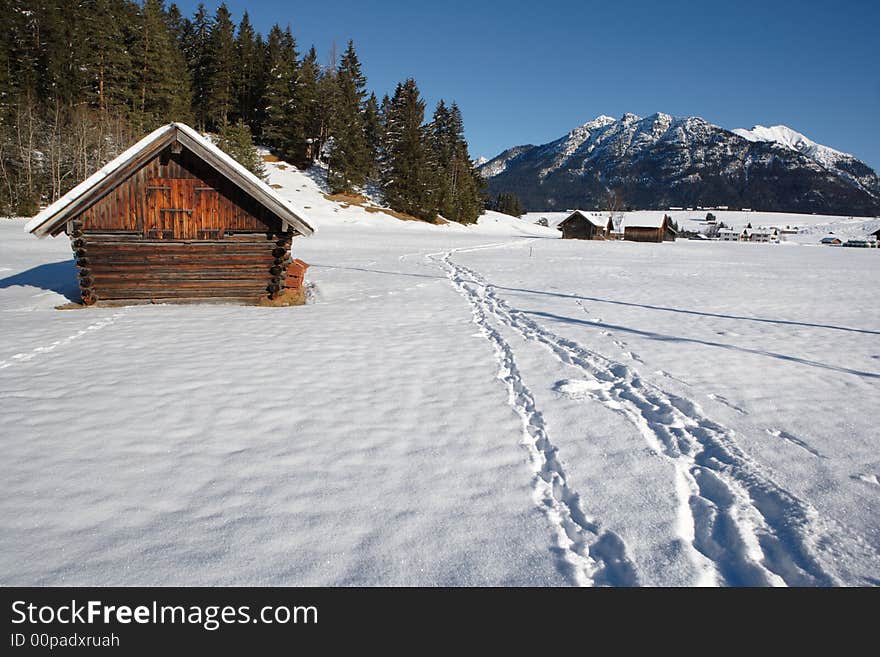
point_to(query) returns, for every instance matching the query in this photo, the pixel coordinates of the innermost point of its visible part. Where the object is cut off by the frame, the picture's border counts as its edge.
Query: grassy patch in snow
(287, 298)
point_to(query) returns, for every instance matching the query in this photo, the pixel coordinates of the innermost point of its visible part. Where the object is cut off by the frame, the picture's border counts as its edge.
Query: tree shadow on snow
(721, 345)
(375, 271)
(57, 277)
(701, 313)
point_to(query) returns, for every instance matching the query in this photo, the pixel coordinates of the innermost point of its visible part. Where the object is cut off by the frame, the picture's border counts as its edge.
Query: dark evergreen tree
(349, 158)
(109, 61)
(163, 90)
(326, 108)
(459, 185)
(235, 139)
(508, 203)
(281, 61)
(373, 133)
(196, 48)
(220, 86)
(305, 120)
(409, 180)
(248, 63)
(178, 25)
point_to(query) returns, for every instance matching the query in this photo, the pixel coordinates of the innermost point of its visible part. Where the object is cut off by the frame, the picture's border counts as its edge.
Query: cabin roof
(648, 220)
(598, 221)
(112, 173)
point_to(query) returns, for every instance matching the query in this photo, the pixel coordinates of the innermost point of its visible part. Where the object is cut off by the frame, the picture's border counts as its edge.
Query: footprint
(794, 440)
(579, 388)
(726, 402)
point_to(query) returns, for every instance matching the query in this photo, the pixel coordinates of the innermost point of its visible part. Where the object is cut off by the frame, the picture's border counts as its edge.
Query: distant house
(789, 230)
(583, 225)
(875, 235)
(648, 229)
(764, 234)
(728, 235)
(831, 240)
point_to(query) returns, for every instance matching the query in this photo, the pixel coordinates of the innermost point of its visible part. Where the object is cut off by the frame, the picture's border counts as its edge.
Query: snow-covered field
(462, 406)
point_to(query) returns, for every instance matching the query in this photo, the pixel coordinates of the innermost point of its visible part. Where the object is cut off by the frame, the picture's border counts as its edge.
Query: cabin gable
(175, 195)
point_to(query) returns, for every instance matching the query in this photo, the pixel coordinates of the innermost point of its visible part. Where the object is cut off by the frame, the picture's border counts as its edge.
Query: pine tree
(508, 203)
(460, 186)
(221, 80)
(373, 133)
(195, 51)
(349, 157)
(247, 71)
(235, 139)
(409, 180)
(305, 120)
(111, 69)
(178, 25)
(163, 91)
(328, 92)
(281, 61)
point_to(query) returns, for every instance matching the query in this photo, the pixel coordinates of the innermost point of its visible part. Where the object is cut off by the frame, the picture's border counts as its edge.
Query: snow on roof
(596, 219)
(52, 216)
(647, 220)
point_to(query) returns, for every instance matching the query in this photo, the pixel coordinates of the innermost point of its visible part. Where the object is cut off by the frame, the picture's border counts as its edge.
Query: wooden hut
(174, 217)
(583, 225)
(648, 228)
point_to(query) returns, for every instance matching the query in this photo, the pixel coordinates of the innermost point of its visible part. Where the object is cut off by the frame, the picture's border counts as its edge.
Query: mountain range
(661, 161)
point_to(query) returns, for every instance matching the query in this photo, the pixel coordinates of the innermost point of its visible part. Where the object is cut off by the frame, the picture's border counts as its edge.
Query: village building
(728, 235)
(831, 240)
(764, 234)
(172, 218)
(648, 228)
(583, 225)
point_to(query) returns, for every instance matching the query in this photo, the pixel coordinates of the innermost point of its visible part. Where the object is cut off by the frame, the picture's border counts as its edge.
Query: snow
(785, 136)
(484, 405)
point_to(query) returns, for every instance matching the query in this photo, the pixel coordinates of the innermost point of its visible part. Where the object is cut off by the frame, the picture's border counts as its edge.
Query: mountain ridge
(662, 160)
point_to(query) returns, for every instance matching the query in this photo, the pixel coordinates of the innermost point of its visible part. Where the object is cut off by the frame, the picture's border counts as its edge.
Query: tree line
(80, 82)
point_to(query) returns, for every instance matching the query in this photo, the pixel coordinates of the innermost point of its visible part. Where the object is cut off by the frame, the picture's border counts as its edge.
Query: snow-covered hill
(485, 405)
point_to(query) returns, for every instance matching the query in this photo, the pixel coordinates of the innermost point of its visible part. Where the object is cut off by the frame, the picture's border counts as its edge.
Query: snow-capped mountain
(661, 161)
(844, 164)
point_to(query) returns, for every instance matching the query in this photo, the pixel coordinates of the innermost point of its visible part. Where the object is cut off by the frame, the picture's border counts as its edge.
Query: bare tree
(614, 206)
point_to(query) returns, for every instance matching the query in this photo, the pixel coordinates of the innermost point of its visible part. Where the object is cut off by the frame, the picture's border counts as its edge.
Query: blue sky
(528, 72)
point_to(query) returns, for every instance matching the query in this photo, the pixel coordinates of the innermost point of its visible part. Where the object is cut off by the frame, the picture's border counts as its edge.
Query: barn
(176, 218)
(648, 228)
(583, 225)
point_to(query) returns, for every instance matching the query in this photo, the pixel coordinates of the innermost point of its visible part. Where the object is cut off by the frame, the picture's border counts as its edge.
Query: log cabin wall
(638, 234)
(174, 229)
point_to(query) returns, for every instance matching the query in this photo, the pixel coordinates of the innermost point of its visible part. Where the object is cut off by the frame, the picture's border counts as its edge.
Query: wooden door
(170, 205)
(207, 212)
